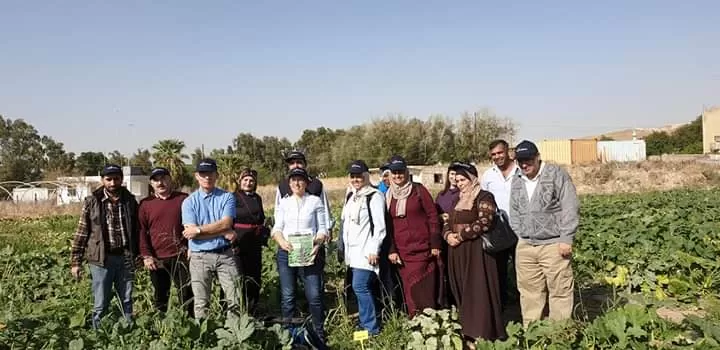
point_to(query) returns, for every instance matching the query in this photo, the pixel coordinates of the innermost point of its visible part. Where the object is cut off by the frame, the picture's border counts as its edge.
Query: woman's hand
(282, 242)
(372, 259)
(395, 258)
(320, 239)
(453, 240)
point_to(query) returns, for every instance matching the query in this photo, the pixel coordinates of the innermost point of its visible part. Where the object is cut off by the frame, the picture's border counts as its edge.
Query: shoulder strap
(372, 224)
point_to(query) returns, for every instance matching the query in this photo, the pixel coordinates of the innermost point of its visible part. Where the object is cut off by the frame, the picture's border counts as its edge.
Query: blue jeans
(362, 282)
(312, 281)
(117, 272)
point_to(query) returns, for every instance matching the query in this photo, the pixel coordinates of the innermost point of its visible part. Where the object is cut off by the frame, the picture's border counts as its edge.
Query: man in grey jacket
(544, 213)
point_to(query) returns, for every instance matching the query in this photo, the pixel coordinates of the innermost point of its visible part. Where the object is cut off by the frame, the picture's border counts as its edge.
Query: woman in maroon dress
(473, 273)
(416, 239)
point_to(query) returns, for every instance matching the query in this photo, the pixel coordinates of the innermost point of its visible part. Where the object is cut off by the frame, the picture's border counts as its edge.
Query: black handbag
(501, 237)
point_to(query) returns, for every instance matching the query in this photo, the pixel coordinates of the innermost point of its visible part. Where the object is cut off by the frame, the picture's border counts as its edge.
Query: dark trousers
(249, 263)
(507, 289)
(172, 271)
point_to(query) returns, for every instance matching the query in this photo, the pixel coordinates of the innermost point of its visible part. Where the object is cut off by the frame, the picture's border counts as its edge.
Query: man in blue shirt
(207, 215)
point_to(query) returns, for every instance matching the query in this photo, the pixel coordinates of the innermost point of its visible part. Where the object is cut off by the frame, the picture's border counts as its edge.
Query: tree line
(686, 139)
(27, 156)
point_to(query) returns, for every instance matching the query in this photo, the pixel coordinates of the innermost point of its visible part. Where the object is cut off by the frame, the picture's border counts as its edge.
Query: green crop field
(635, 254)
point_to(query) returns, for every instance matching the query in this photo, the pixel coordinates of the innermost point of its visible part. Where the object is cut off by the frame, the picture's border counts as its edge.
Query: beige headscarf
(469, 193)
(354, 204)
(401, 194)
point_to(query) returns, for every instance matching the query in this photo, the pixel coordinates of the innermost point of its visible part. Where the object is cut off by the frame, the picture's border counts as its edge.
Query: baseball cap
(206, 165)
(397, 163)
(299, 172)
(464, 169)
(384, 167)
(295, 155)
(110, 169)
(159, 171)
(525, 150)
(358, 167)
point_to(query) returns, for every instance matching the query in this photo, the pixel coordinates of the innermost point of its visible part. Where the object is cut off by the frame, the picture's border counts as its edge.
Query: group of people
(398, 243)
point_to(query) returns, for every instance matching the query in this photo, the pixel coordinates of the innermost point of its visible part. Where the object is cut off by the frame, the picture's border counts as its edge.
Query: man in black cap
(208, 215)
(296, 159)
(162, 245)
(109, 243)
(545, 214)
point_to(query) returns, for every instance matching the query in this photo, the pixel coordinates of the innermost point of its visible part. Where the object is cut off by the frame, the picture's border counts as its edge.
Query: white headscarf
(354, 204)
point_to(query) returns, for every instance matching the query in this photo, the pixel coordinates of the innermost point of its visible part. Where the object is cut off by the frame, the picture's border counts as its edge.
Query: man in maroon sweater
(162, 244)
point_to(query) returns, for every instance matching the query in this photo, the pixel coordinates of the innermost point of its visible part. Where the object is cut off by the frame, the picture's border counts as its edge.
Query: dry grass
(598, 178)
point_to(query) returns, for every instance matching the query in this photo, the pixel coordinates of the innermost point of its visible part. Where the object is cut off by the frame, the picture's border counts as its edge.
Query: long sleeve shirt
(161, 226)
(304, 215)
(358, 239)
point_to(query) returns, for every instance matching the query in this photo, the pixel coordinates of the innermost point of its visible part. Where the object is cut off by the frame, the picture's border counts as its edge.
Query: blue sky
(122, 74)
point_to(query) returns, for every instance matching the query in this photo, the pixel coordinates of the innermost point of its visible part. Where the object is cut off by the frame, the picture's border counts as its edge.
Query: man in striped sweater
(544, 213)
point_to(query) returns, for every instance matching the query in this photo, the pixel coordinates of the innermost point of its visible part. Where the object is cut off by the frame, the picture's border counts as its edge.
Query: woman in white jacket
(363, 231)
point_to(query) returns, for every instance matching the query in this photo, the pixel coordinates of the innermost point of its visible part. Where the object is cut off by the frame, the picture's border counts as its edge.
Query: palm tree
(169, 154)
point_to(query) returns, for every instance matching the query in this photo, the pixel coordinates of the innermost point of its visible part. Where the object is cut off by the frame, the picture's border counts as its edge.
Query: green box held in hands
(301, 254)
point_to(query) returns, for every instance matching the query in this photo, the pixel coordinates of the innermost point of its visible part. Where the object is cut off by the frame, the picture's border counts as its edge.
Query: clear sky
(107, 75)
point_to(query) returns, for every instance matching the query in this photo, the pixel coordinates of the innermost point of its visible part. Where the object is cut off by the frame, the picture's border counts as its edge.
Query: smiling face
(298, 184)
(451, 178)
(499, 156)
(161, 184)
(357, 181)
(461, 182)
(399, 177)
(247, 184)
(206, 179)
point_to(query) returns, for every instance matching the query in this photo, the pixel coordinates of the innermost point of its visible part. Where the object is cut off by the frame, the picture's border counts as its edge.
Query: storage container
(621, 151)
(556, 151)
(584, 151)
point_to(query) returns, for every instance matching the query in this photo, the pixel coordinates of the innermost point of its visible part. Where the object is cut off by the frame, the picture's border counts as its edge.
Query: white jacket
(358, 241)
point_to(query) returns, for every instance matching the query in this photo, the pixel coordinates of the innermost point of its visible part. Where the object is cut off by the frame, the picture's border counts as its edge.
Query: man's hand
(230, 236)
(372, 259)
(150, 263)
(191, 231)
(75, 271)
(395, 258)
(565, 250)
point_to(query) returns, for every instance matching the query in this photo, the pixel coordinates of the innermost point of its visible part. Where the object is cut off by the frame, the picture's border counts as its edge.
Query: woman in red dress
(415, 239)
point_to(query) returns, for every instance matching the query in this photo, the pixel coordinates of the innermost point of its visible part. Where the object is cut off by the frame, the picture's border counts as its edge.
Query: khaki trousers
(542, 274)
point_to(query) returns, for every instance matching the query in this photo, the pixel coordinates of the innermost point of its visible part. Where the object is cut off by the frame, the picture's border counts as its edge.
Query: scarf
(401, 194)
(468, 195)
(354, 204)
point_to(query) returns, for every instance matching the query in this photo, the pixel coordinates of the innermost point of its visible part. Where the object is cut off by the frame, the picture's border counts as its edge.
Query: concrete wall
(711, 130)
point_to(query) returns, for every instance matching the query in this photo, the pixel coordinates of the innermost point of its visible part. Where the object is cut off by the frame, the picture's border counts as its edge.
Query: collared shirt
(499, 185)
(303, 215)
(117, 232)
(530, 185)
(202, 208)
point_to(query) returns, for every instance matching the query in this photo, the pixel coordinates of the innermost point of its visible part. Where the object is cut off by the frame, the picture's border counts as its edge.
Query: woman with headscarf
(384, 183)
(474, 280)
(363, 231)
(416, 239)
(445, 202)
(251, 235)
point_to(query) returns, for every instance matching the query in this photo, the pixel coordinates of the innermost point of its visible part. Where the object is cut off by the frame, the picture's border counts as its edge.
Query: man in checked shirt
(107, 238)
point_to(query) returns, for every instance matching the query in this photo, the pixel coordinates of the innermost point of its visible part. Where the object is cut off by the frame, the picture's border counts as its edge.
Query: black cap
(526, 150)
(206, 165)
(358, 167)
(111, 169)
(397, 163)
(384, 167)
(464, 169)
(299, 172)
(159, 171)
(295, 155)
